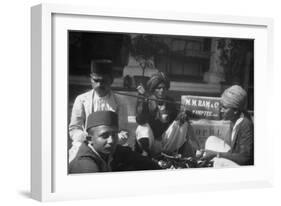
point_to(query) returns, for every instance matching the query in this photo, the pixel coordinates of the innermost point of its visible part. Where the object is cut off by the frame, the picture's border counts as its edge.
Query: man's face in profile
(104, 138)
(227, 112)
(101, 83)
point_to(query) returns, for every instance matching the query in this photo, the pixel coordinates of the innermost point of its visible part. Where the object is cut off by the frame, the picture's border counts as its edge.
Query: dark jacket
(242, 145)
(124, 159)
(86, 161)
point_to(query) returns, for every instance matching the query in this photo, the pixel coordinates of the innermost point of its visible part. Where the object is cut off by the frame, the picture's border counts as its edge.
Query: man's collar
(109, 159)
(96, 96)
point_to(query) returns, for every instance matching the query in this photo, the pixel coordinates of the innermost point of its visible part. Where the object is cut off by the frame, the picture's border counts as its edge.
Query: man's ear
(91, 80)
(236, 112)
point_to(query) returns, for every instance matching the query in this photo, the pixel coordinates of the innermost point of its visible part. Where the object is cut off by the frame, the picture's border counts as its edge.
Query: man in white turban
(234, 97)
(241, 149)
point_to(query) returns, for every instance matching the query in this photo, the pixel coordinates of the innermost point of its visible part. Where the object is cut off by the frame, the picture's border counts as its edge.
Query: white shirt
(234, 130)
(105, 103)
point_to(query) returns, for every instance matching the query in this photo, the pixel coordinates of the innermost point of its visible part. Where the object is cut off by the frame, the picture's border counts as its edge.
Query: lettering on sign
(202, 107)
(205, 128)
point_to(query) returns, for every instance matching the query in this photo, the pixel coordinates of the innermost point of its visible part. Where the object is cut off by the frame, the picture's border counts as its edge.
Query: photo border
(43, 89)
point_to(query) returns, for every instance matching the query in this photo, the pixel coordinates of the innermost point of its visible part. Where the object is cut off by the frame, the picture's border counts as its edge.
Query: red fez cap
(101, 67)
(99, 118)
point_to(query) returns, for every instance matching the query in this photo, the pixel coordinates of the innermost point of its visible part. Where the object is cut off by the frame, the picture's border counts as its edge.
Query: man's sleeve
(143, 131)
(77, 121)
(142, 111)
(244, 155)
(85, 165)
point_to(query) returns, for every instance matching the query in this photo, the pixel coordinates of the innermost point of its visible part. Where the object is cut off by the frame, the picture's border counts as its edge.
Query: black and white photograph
(176, 103)
(140, 101)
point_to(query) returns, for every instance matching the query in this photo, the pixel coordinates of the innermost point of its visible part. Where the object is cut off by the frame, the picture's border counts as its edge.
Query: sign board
(205, 115)
(203, 128)
(202, 107)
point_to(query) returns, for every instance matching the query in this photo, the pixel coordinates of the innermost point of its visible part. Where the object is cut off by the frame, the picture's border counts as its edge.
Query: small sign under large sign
(203, 129)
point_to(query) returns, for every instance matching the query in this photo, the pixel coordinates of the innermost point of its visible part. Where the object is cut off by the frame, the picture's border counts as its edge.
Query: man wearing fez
(100, 98)
(241, 148)
(100, 151)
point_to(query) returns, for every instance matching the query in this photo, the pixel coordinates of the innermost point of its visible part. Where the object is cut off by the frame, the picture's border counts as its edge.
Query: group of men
(98, 145)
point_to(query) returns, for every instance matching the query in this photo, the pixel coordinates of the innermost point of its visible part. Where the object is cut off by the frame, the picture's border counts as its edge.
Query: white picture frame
(49, 179)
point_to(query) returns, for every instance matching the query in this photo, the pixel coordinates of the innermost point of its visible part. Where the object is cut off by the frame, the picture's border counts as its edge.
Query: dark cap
(101, 67)
(99, 118)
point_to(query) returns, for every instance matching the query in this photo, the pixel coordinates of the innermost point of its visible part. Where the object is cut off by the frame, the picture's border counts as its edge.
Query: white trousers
(218, 145)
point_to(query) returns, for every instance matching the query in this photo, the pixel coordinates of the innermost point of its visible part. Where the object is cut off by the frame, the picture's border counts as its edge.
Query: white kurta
(83, 106)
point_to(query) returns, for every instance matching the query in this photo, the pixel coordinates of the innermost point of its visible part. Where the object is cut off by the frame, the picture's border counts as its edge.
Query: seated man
(241, 149)
(100, 152)
(161, 126)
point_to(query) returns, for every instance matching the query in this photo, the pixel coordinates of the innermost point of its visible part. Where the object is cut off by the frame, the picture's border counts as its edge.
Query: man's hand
(141, 89)
(123, 137)
(182, 117)
(199, 154)
(144, 153)
(209, 155)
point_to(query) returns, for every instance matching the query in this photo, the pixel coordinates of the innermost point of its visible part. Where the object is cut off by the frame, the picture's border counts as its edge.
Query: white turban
(156, 79)
(234, 97)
